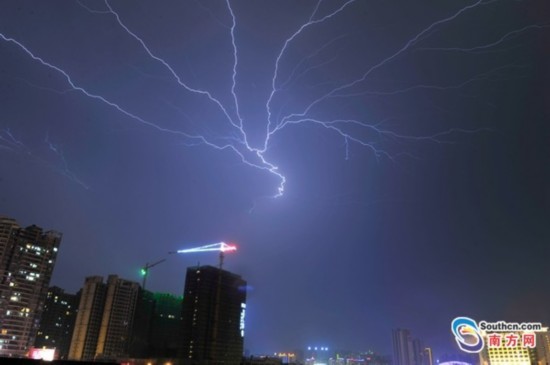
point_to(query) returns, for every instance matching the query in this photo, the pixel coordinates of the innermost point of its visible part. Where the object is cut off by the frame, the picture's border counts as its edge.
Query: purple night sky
(379, 165)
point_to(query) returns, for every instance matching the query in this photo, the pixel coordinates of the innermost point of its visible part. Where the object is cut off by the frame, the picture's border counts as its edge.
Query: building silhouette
(166, 325)
(27, 259)
(214, 309)
(157, 326)
(543, 348)
(88, 319)
(408, 350)
(57, 322)
(103, 325)
(141, 330)
(402, 347)
(427, 356)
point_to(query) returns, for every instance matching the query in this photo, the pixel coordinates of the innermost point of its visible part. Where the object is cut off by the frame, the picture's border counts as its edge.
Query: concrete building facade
(104, 321)
(57, 322)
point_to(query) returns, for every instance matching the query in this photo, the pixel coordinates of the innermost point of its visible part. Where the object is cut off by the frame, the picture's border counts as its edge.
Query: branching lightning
(238, 140)
(10, 143)
(483, 47)
(411, 42)
(282, 52)
(65, 171)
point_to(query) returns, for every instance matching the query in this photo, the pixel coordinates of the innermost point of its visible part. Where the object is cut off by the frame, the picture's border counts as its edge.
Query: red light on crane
(221, 247)
(228, 247)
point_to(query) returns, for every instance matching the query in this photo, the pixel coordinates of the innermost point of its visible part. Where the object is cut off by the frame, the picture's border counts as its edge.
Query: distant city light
(44, 354)
(317, 348)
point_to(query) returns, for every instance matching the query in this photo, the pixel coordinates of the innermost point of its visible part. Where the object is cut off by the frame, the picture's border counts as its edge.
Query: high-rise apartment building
(408, 350)
(214, 308)
(57, 323)
(508, 355)
(403, 353)
(543, 348)
(88, 319)
(427, 357)
(27, 259)
(103, 325)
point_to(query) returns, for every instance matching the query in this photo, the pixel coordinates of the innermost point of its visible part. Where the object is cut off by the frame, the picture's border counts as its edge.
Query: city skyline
(84, 322)
(377, 165)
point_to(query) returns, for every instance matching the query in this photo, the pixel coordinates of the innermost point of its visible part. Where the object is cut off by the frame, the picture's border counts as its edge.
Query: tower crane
(145, 270)
(222, 247)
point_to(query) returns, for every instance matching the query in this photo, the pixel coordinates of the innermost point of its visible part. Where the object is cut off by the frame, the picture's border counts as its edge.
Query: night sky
(413, 139)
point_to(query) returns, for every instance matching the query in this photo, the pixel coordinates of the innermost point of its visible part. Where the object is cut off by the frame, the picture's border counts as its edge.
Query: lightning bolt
(9, 142)
(294, 75)
(74, 86)
(65, 170)
(484, 47)
(351, 130)
(411, 42)
(300, 30)
(475, 78)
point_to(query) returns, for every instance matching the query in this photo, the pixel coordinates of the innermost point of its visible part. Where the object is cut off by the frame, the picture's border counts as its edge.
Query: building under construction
(214, 309)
